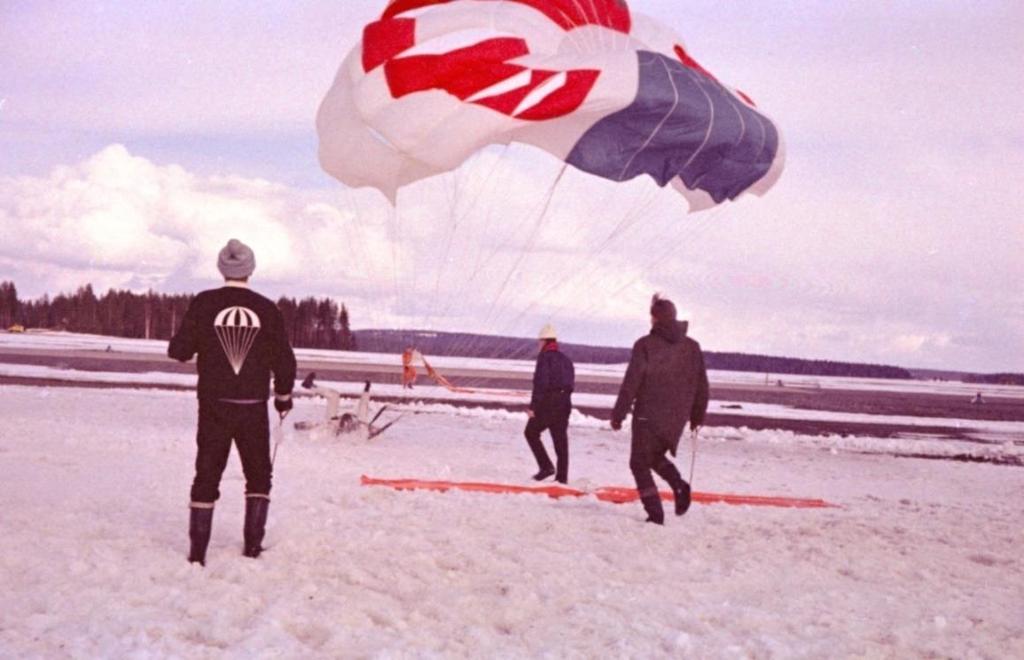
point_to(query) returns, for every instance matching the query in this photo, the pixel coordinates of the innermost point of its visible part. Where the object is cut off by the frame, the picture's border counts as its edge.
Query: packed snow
(921, 559)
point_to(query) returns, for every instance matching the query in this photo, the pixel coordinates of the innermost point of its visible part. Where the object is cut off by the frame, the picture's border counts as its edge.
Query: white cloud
(127, 220)
(797, 273)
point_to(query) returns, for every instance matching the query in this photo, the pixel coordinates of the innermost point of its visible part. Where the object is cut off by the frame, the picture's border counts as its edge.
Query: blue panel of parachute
(682, 123)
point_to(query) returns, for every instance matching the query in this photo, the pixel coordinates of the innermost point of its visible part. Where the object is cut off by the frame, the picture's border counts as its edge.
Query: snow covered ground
(923, 558)
(990, 431)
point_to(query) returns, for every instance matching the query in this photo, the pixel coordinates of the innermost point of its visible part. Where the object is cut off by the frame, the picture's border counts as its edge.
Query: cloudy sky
(136, 137)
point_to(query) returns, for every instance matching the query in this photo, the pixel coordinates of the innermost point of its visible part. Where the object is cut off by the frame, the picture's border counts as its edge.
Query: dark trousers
(552, 416)
(221, 422)
(647, 453)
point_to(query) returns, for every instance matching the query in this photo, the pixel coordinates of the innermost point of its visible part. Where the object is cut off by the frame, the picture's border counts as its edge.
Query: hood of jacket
(673, 332)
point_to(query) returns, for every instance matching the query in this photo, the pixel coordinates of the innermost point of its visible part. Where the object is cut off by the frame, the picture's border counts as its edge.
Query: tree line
(485, 346)
(323, 323)
(310, 322)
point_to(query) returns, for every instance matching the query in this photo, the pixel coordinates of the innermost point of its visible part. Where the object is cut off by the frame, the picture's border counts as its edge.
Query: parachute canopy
(610, 92)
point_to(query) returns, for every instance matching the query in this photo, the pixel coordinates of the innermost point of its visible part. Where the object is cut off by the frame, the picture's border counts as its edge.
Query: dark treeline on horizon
(311, 322)
(995, 379)
(486, 346)
(323, 323)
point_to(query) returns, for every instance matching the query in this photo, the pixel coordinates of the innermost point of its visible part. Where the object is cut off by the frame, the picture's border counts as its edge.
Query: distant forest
(995, 379)
(311, 322)
(323, 323)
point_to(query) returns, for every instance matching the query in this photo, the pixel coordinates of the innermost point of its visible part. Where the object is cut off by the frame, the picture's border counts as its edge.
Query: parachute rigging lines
(608, 91)
(236, 328)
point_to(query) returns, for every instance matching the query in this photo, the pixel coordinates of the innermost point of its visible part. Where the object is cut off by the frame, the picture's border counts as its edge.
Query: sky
(136, 138)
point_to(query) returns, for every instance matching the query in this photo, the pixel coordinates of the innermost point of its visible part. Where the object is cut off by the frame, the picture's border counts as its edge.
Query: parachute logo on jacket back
(236, 328)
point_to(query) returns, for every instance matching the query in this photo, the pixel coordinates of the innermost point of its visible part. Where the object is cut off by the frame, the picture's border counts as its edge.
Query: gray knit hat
(236, 260)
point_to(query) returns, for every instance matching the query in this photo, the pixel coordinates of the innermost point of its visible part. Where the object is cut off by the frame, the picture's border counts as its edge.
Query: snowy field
(923, 559)
(991, 438)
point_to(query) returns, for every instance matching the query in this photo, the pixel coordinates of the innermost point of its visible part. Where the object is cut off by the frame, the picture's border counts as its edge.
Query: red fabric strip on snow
(614, 494)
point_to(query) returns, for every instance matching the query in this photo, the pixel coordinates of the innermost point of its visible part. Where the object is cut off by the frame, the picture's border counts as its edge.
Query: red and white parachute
(608, 91)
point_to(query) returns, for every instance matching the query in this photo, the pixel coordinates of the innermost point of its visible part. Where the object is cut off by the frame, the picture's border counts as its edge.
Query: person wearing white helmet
(550, 405)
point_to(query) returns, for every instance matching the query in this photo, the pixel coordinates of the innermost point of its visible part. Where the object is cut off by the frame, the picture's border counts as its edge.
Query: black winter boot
(667, 471)
(655, 512)
(543, 474)
(682, 493)
(200, 524)
(255, 525)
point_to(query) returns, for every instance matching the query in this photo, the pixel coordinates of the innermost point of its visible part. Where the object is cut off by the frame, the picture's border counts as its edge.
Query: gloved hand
(283, 405)
(616, 424)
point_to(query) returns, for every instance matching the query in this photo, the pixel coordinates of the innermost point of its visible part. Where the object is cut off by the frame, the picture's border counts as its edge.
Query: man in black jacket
(666, 385)
(240, 339)
(550, 407)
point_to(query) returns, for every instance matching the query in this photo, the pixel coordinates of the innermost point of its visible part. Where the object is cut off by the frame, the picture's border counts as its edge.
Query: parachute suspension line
(482, 259)
(458, 293)
(573, 25)
(613, 277)
(392, 238)
(453, 229)
(628, 220)
(604, 33)
(379, 314)
(675, 248)
(429, 302)
(597, 38)
(594, 266)
(530, 243)
(703, 227)
(363, 260)
(631, 218)
(569, 33)
(689, 237)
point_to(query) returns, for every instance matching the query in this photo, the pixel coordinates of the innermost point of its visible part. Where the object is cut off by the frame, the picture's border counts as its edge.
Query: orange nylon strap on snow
(442, 381)
(613, 494)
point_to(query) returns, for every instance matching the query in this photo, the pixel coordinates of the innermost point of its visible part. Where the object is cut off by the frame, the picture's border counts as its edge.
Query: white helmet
(547, 332)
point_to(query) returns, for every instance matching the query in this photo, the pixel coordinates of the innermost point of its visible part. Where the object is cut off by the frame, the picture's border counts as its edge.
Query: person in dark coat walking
(550, 406)
(240, 339)
(666, 386)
